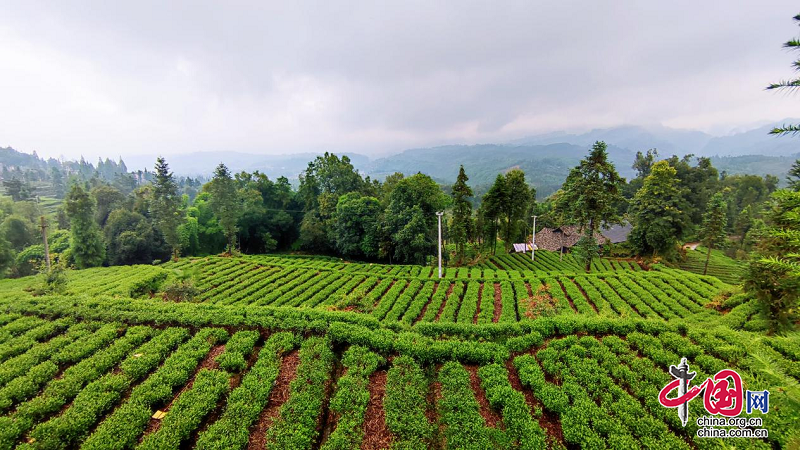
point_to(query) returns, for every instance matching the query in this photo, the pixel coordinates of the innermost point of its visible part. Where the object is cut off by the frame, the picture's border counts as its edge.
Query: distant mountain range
(545, 158)
(671, 141)
(203, 163)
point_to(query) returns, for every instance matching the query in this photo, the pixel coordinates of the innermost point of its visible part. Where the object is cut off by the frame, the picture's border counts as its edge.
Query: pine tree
(715, 221)
(461, 226)
(491, 209)
(591, 194)
(744, 222)
(774, 272)
(225, 203)
(791, 85)
(793, 177)
(86, 243)
(165, 207)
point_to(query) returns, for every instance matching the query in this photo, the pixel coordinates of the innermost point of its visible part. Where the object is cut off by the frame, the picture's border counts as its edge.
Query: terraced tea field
(306, 353)
(723, 267)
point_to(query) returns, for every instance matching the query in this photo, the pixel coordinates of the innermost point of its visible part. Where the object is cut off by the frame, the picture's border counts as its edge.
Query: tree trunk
(708, 257)
(508, 234)
(494, 241)
(589, 256)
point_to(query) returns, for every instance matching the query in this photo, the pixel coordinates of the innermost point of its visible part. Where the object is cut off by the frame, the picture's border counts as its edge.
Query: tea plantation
(290, 352)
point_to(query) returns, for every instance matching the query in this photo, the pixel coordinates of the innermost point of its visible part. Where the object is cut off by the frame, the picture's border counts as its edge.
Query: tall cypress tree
(590, 196)
(461, 224)
(491, 209)
(225, 203)
(86, 243)
(715, 221)
(166, 206)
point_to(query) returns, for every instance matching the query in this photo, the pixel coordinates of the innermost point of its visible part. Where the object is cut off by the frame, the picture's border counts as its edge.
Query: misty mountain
(546, 158)
(671, 141)
(546, 166)
(668, 141)
(203, 163)
(753, 142)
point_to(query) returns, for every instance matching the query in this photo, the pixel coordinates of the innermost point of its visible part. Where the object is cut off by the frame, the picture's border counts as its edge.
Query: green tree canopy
(491, 209)
(131, 239)
(411, 217)
(225, 203)
(518, 203)
(715, 221)
(774, 272)
(461, 223)
(790, 84)
(107, 198)
(165, 206)
(18, 232)
(591, 194)
(357, 226)
(86, 242)
(326, 178)
(658, 212)
(793, 177)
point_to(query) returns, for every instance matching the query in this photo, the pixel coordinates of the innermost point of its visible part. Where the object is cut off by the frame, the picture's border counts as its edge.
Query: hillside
(315, 352)
(726, 269)
(545, 165)
(546, 158)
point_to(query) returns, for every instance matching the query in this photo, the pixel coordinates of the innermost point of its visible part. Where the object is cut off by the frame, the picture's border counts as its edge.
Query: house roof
(618, 233)
(568, 235)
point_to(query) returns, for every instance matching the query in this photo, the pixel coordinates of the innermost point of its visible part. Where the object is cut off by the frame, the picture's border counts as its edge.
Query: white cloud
(110, 78)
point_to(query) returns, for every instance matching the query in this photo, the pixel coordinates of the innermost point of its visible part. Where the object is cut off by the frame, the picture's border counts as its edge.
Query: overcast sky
(139, 77)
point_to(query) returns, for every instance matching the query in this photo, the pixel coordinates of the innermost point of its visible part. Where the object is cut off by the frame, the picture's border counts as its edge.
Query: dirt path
(376, 434)
(425, 308)
(549, 422)
(569, 299)
(277, 397)
(498, 302)
(490, 416)
(588, 300)
(478, 308)
(444, 302)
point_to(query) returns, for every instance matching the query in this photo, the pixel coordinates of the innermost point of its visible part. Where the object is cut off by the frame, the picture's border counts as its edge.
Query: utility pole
(439, 216)
(533, 240)
(44, 239)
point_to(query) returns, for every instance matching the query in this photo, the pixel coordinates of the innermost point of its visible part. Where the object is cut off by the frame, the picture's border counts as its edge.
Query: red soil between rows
(376, 434)
(480, 304)
(549, 423)
(277, 397)
(425, 308)
(588, 300)
(444, 302)
(498, 302)
(490, 416)
(208, 362)
(569, 299)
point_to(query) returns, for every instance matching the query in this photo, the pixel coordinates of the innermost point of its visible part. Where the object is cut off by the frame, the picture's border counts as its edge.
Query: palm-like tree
(790, 84)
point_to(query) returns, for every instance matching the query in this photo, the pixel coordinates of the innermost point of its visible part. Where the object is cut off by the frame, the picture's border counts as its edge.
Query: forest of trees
(336, 210)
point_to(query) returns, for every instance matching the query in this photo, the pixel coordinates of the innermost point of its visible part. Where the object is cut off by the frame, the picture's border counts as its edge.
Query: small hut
(562, 238)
